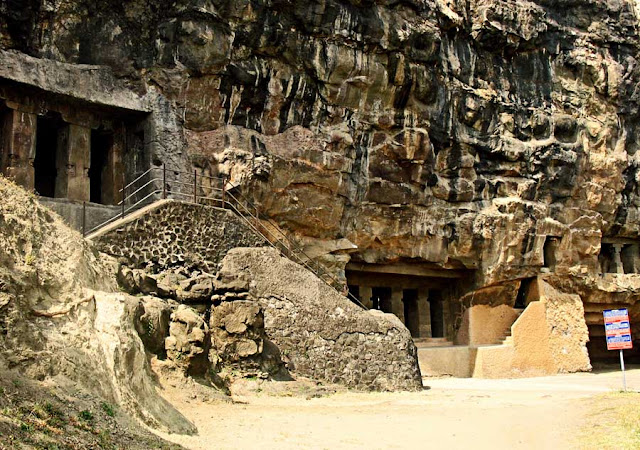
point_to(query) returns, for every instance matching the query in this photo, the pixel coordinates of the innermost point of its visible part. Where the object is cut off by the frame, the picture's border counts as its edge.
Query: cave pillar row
(424, 313)
(73, 161)
(19, 147)
(617, 260)
(397, 306)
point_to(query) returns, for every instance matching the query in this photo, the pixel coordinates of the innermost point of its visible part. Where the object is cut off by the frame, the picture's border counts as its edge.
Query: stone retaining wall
(172, 233)
(71, 212)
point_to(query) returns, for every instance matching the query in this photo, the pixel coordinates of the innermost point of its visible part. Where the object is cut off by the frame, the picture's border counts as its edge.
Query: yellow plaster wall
(488, 325)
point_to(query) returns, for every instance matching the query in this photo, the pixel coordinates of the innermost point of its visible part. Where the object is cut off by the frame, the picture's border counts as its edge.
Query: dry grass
(613, 422)
(42, 417)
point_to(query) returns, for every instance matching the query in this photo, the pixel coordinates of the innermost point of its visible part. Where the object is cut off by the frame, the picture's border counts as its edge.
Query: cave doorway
(381, 297)
(45, 164)
(523, 292)
(411, 314)
(354, 291)
(436, 309)
(101, 148)
(549, 252)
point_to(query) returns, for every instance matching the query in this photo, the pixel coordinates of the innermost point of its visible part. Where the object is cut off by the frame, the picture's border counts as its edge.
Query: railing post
(224, 189)
(195, 185)
(164, 181)
(84, 219)
(124, 189)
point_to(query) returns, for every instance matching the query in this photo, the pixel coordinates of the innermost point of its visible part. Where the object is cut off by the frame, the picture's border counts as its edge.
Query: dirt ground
(533, 413)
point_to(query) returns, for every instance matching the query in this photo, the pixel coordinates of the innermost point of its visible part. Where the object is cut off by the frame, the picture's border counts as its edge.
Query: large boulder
(188, 341)
(239, 343)
(320, 333)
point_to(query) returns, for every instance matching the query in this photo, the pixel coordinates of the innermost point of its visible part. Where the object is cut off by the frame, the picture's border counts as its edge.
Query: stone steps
(432, 342)
(507, 339)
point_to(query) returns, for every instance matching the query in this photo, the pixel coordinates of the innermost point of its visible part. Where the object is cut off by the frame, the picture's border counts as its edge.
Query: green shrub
(86, 415)
(108, 409)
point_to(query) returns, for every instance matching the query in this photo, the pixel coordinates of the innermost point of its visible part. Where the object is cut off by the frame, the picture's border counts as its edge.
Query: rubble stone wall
(173, 233)
(485, 325)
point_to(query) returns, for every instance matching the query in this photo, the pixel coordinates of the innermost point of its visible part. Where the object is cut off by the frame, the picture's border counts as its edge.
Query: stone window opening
(604, 257)
(630, 256)
(47, 158)
(436, 310)
(101, 149)
(620, 256)
(549, 252)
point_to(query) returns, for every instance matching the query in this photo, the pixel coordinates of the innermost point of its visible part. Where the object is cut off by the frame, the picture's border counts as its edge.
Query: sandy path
(454, 414)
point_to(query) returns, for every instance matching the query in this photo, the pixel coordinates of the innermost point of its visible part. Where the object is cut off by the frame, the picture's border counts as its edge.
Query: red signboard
(618, 329)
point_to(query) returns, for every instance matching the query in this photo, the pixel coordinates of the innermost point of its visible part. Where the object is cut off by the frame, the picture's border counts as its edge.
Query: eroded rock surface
(61, 317)
(321, 334)
(347, 119)
(458, 134)
(239, 342)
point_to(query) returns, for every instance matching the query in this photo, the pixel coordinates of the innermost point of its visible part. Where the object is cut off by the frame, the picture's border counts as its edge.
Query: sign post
(618, 331)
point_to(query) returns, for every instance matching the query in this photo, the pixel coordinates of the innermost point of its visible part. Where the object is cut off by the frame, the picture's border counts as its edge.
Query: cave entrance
(436, 310)
(523, 291)
(411, 311)
(99, 180)
(619, 255)
(421, 296)
(45, 164)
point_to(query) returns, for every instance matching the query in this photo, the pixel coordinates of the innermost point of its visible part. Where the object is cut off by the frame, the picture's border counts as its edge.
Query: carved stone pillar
(365, 296)
(397, 306)
(424, 313)
(73, 160)
(616, 260)
(19, 147)
(114, 168)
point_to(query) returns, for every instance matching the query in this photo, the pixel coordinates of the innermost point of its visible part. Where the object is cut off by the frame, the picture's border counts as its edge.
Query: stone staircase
(507, 339)
(154, 187)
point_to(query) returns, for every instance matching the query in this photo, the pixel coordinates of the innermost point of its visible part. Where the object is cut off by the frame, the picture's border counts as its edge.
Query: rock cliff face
(456, 133)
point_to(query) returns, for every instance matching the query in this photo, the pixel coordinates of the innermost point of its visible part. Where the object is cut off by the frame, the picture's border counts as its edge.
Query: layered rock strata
(494, 136)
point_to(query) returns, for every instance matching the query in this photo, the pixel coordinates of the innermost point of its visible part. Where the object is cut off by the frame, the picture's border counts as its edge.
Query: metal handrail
(272, 223)
(297, 248)
(119, 215)
(103, 224)
(134, 181)
(292, 250)
(133, 207)
(138, 190)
